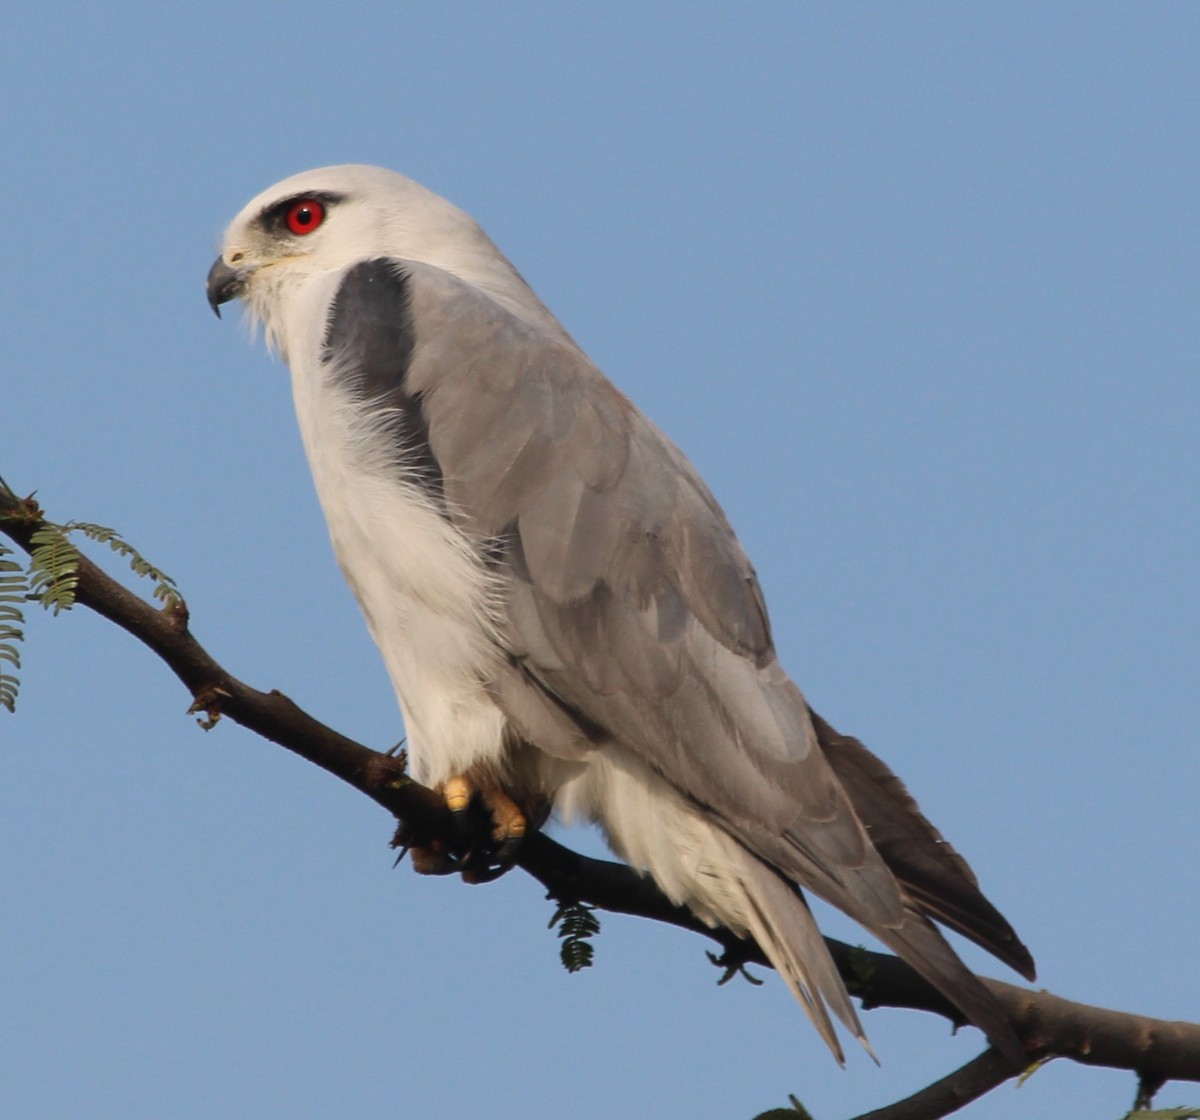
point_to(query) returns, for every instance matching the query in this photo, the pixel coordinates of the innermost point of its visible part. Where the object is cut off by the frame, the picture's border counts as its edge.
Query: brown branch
(978, 1077)
(1049, 1026)
(218, 693)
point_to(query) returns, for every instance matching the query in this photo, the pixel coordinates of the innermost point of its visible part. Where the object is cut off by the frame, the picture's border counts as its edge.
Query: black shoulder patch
(371, 328)
(370, 339)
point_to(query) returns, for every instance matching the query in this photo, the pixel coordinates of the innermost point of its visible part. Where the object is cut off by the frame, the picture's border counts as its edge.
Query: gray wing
(632, 613)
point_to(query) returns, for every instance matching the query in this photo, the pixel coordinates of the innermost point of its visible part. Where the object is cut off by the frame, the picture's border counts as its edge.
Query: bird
(567, 617)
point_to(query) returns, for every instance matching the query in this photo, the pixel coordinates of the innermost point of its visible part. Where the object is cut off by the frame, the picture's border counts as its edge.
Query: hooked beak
(224, 284)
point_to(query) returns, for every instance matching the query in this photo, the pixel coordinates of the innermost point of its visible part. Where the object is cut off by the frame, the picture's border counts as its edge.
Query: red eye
(304, 216)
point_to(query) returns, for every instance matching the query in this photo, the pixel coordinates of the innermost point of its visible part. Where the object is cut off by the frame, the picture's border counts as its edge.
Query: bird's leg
(476, 801)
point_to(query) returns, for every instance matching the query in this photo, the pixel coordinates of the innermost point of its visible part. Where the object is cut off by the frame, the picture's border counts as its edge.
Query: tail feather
(698, 864)
(933, 875)
(749, 881)
(919, 943)
(780, 921)
(787, 933)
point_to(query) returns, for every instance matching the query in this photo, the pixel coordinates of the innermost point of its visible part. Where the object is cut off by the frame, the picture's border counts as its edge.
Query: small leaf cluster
(577, 924)
(14, 591)
(53, 569)
(54, 564)
(50, 577)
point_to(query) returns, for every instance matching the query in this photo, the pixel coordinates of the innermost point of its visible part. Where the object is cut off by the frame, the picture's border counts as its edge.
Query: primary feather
(559, 598)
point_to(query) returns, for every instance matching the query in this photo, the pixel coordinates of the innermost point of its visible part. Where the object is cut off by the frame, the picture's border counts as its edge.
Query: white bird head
(319, 222)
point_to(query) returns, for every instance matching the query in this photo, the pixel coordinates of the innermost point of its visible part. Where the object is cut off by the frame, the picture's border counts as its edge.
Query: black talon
(507, 852)
(477, 875)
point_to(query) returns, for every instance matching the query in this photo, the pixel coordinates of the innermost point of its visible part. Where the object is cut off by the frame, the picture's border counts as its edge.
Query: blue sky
(915, 286)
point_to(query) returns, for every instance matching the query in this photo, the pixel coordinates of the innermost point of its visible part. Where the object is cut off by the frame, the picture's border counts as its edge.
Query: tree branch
(979, 1076)
(1048, 1026)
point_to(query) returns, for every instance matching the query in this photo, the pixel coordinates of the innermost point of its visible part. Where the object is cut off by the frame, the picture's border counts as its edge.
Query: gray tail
(933, 875)
(782, 924)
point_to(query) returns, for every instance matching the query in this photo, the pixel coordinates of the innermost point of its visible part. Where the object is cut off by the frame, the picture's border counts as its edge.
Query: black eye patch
(274, 217)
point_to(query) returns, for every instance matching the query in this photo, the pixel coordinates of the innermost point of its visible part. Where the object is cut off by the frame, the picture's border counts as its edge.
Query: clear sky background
(915, 286)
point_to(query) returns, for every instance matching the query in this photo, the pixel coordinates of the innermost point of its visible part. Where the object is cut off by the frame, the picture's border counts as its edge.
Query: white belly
(423, 591)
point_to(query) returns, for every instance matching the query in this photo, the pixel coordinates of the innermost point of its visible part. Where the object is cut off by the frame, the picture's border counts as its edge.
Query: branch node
(979, 1076)
(20, 511)
(208, 699)
(1148, 1087)
(734, 960)
(175, 611)
(862, 974)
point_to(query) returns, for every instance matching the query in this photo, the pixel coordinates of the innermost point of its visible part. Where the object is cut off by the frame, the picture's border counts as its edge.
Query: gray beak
(224, 284)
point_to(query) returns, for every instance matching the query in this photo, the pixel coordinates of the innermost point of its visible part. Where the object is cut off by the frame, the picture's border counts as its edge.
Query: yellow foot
(479, 858)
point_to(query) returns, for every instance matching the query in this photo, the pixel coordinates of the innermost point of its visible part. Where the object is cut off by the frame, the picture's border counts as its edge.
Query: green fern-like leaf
(165, 590)
(50, 578)
(53, 568)
(577, 925)
(14, 590)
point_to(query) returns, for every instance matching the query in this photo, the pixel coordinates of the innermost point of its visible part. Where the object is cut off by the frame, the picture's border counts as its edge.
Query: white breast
(424, 592)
